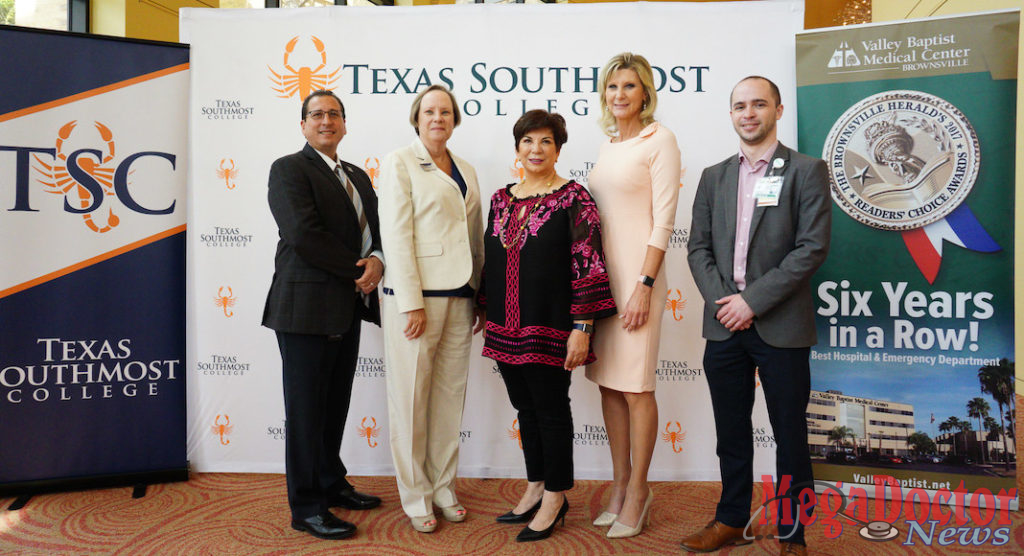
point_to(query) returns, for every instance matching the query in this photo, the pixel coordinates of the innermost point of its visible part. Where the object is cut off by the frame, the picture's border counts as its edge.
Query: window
(42, 14)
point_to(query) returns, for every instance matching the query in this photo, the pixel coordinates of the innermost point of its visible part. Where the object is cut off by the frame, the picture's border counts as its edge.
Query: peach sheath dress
(636, 186)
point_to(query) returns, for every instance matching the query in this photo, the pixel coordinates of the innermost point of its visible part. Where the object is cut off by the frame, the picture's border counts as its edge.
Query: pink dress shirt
(745, 202)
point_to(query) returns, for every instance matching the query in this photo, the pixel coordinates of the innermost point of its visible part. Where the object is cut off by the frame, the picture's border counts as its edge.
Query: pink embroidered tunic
(544, 269)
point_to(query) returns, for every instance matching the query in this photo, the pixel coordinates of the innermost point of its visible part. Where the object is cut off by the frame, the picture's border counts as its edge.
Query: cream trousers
(426, 382)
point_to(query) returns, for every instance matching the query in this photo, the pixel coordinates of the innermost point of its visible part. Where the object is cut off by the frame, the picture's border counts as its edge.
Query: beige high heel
(605, 519)
(620, 531)
(424, 524)
(455, 513)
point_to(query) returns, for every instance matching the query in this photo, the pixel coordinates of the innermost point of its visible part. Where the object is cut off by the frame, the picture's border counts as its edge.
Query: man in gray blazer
(326, 270)
(761, 224)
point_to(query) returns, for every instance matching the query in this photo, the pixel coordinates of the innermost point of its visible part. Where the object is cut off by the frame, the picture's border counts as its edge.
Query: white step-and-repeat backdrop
(250, 71)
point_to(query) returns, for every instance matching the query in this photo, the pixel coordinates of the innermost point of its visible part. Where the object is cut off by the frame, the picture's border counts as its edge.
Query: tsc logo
(304, 80)
(372, 171)
(514, 433)
(84, 176)
(369, 432)
(228, 174)
(674, 436)
(676, 304)
(225, 301)
(222, 430)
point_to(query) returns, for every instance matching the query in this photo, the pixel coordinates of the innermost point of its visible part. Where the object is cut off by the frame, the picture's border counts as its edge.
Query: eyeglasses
(319, 114)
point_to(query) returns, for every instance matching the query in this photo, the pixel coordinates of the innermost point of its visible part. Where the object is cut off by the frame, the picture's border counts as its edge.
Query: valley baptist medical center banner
(92, 189)
(915, 303)
(250, 71)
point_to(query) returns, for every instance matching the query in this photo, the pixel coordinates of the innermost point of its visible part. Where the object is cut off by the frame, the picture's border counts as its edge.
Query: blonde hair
(414, 111)
(639, 64)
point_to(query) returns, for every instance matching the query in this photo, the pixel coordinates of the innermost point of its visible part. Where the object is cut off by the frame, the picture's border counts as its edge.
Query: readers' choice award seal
(900, 160)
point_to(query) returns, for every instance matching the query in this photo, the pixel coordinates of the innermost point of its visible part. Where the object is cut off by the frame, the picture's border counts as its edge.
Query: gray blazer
(313, 290)
(787, 244)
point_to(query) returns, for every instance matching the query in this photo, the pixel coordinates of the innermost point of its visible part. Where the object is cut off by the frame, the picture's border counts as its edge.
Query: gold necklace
(547, 187)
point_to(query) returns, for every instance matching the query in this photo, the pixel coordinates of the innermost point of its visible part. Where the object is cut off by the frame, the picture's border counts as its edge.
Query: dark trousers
(786, 380)
(318, 373)
(540, 393)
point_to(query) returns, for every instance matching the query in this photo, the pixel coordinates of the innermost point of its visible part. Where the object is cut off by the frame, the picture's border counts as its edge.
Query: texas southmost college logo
(905, 161)
(222, 428)
(369, 430)
(292, 81)
(227, 172)
(372, 167)
(83, 166)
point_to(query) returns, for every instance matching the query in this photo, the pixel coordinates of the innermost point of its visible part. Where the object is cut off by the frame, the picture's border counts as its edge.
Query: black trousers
(540, 393)
(786, 380)
(318, 372)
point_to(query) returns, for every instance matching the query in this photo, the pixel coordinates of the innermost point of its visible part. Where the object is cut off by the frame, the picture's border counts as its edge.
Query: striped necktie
(358, 204)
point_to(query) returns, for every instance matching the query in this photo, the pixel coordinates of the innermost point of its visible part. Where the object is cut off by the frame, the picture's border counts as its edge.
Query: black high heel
(525, 517)
(528, 534)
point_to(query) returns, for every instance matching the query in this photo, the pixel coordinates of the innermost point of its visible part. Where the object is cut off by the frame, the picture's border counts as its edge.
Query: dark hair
(771, 84)
(414, 110)
(541, 119)
(321, 93)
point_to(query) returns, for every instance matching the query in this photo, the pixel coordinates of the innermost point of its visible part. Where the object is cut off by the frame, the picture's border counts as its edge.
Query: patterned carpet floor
(225, 514)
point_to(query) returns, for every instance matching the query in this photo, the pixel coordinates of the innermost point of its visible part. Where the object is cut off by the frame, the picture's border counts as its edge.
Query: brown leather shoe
(714, 536)
(792, 549)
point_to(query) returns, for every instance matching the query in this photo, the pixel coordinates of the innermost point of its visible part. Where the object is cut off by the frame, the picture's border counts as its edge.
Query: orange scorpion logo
(227, 174)
(682, 173)
(517, 170)
(673, 436)
(222, 429)
(369, 432)
(676, 303)
(225, 301)
(303, 80)
(60, 182)
(372, 171)
(514, 433)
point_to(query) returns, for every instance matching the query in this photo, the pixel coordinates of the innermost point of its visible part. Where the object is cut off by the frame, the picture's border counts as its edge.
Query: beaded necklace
(506, 222)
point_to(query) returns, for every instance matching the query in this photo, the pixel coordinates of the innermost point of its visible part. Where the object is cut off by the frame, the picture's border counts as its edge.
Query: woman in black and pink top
(544, 284)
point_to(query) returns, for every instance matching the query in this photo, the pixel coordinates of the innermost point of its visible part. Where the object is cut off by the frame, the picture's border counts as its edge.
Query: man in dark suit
(326, 270)
(761, 225)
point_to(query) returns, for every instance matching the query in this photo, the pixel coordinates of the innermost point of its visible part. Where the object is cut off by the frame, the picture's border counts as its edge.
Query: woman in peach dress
(636, 183)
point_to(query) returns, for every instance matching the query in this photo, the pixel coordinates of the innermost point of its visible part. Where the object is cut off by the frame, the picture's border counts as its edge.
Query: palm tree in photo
(951, 425)
(1011, 426)
(838, 436)
(993, 431)
(997, 381)
(979, 408)
(964, 426)
(920, 443)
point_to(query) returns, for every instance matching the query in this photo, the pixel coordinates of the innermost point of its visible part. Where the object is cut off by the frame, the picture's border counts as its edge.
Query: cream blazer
(433, 238)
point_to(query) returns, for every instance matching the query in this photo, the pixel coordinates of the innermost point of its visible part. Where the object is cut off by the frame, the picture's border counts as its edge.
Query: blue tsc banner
(92, 288)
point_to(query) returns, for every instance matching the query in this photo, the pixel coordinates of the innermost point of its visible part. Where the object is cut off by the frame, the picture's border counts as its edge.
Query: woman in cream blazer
(432, 235)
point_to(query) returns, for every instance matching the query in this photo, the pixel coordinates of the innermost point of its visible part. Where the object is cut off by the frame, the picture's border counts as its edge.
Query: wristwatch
(584, 327)
(646, 280)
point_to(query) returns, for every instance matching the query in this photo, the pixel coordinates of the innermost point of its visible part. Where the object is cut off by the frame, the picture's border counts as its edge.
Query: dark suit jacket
(313, 290)
(787, 244)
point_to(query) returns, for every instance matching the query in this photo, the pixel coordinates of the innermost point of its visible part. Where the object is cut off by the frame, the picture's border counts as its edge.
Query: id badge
(767, 190)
